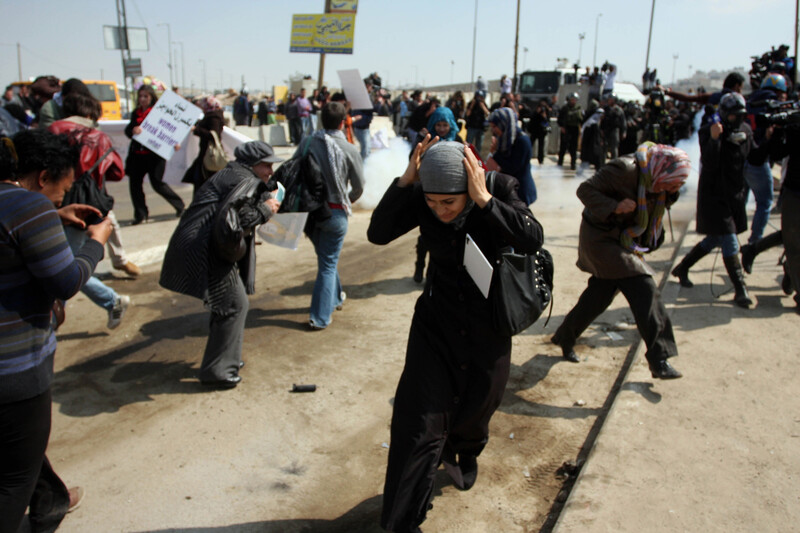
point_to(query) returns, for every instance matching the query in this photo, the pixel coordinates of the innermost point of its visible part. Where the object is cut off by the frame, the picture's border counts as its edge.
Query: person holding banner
(456, 365)
(142, 161)
(198, 261)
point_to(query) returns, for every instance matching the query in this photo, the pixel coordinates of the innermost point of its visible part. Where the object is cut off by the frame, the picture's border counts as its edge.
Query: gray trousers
(790, 227)
(225, 334)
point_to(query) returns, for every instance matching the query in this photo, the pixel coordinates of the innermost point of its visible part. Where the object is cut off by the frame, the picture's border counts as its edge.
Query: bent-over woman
(456, 364)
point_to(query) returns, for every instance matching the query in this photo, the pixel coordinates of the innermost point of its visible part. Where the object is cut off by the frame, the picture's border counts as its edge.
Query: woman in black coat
(456, 364)
(722, 193)
(213, 121)
(199, 263)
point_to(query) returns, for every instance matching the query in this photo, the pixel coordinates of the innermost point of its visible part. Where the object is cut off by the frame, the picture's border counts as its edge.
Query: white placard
(478, 267)
(168, 124)
(354, 89)
(284, 229)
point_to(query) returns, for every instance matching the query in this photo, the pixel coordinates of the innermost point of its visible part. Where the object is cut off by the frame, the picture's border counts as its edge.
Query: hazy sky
(408, 41)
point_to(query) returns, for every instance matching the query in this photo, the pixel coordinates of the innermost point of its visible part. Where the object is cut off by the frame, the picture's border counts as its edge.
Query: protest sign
(168, 124)
(354, 89)
(284, 229)
(329, 33)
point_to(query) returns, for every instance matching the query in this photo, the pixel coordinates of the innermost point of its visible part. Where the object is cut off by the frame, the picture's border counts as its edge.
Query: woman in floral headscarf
(512, 151)
(625, 204)
(213, 120)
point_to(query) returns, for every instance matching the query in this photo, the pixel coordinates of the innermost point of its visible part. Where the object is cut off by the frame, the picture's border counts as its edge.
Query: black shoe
(748, 256)
(228, 383)
(664, 370)
(469, 470)
(567, 352)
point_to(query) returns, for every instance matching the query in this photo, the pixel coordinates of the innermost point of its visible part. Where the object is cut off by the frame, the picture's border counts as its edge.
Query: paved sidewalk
(718, 449)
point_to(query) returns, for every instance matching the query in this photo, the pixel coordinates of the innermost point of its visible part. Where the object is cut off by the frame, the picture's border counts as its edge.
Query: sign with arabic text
(344, 6)
(330, 33)
(168, 124)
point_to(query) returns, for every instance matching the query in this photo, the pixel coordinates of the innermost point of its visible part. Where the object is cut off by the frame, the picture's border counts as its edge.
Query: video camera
(785, 114)
(760, 66)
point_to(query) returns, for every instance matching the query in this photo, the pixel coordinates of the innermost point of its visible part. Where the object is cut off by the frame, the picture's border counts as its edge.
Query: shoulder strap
(99, 160)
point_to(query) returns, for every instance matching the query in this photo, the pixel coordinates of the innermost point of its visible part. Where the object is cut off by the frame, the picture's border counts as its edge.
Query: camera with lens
(786, 114)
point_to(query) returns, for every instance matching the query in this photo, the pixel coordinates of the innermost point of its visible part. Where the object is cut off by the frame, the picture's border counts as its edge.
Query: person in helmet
(570, 119)
(725, 144)
(757, 170)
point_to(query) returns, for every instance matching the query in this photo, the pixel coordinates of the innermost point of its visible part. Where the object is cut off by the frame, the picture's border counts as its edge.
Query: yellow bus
(104, 90)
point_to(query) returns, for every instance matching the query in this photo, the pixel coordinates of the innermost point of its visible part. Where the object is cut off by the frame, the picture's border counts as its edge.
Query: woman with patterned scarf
(625, 204)
(512, 151)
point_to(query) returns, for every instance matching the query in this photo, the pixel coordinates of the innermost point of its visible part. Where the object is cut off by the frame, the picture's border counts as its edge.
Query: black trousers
(790, 227)
(644, 299)
(136, 167)
(26, 477)
(569, 141)
(540, 142)
(441, 409)
(223, 351)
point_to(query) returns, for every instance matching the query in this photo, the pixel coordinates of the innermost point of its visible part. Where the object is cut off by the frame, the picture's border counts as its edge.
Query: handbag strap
(217, 142)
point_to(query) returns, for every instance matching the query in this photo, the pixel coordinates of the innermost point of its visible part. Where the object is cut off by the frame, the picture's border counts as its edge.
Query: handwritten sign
(330, 33)
(168, 124)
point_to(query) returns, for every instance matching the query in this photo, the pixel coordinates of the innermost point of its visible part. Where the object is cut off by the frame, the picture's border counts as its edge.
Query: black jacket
(451, 310)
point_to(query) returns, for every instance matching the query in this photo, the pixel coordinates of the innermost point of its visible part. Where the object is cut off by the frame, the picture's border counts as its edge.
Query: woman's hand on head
(476, 180)
(100, 231)
(411, 175)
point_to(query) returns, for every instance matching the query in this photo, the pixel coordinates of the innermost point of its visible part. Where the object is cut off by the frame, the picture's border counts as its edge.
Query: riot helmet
(732, 105)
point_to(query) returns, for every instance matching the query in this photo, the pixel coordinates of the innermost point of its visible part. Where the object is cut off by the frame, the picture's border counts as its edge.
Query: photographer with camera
(722, 191)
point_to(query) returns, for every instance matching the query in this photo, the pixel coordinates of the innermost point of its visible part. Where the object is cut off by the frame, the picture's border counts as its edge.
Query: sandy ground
(715, 451)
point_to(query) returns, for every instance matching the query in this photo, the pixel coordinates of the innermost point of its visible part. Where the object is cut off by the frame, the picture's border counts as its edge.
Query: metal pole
(169, 51)
(322, 56)
(596, 28)
(796, 29)
(581, 36)
(474, 40)
(649, 35)
(674, 61)
(19, 62)
(516, 49)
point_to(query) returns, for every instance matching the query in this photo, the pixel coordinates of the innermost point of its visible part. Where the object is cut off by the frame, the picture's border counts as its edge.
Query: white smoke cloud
(380, 169)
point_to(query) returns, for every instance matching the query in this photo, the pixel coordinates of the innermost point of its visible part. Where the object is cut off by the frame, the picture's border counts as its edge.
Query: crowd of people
(456, 365)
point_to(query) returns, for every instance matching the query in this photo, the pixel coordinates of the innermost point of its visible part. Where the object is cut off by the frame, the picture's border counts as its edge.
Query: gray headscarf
(442, 171)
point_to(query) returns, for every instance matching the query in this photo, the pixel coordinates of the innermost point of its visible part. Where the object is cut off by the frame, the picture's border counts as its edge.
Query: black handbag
(522, 287)
(86, 191)
(227, 234)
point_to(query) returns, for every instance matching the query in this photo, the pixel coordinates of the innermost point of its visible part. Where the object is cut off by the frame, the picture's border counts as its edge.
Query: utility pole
(474, 40)
(581, 37)
(122, 24)
(596, 28)
(19, 63)
(322, 55)
(169, 50)
(649, 36)
(516, 49)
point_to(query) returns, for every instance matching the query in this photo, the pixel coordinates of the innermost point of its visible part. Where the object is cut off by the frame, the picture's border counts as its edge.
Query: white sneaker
(344, 297)
(118, 311)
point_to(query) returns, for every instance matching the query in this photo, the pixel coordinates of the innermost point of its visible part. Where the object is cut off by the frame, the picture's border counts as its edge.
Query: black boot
(750, 251)
(682, 270)
(735, 272)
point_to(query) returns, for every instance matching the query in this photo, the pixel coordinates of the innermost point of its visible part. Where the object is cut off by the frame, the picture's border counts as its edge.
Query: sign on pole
(330, 33)
(115, 39)
(168, 124)
(133, 67)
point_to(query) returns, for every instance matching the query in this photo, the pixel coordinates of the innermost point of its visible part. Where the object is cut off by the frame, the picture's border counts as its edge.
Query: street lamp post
(596, 28)
(183, 65)
(674, 61)
(474, 40)
(169, 50)
(203, 61)
(581, 37)
(524, 57)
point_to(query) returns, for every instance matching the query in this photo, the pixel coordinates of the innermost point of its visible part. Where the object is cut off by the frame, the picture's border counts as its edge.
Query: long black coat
(722, 190)
(451, 308)
(192, 266)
